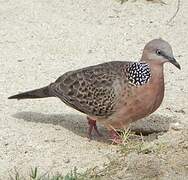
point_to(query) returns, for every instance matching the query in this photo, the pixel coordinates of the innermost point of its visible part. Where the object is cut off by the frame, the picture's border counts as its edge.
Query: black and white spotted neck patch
(138, 73)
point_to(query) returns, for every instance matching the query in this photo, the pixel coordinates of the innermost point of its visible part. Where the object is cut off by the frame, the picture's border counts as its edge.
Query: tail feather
(37, 93)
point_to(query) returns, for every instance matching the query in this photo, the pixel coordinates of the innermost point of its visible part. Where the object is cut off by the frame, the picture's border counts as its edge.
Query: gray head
(159, 51)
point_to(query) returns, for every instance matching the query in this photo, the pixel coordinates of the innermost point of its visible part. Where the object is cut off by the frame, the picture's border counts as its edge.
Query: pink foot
(115, 137)
(92, 125)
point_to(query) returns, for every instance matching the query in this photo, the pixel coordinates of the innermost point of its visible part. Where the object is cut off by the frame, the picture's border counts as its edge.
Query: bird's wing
(93, 90)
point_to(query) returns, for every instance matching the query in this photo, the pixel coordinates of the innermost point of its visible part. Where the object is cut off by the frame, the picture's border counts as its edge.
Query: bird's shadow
(78, 124)
(72, 122)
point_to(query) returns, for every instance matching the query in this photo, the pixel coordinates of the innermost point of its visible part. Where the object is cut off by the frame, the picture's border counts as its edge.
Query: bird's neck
(157, 78)
(156, 69)
(157, 74)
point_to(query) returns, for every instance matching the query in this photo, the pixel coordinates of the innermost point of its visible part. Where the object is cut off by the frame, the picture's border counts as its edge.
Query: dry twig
(176, 12)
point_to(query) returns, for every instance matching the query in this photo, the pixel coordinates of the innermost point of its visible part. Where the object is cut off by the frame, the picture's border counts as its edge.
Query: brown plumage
(113, 93)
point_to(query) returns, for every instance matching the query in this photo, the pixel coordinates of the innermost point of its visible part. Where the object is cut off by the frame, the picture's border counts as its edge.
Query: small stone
(57, 128)
(90, 51)
(180, 111)
(176, 126)
(66, 160)
(20, 60)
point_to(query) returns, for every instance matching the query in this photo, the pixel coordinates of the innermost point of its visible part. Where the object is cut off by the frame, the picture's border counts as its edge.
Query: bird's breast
(139, 101)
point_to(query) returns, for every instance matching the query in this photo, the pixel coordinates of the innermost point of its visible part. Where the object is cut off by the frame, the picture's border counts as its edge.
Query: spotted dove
(113, 93)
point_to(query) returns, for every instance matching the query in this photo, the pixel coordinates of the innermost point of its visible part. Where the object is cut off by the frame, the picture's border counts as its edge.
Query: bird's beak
(171, 59)
(174, 62)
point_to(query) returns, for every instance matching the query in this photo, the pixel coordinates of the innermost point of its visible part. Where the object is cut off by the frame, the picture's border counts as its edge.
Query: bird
(114, 93)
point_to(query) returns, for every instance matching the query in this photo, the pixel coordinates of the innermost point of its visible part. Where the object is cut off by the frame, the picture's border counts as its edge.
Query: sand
(42, 39)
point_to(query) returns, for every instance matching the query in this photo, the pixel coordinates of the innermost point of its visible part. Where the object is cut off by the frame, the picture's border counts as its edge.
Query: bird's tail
(37, 93)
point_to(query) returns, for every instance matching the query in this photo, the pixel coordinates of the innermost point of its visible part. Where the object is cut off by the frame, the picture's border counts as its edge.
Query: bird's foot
(92, 125)
(115, 137)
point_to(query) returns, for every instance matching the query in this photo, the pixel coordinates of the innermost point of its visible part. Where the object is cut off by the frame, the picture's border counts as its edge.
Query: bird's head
(158, 51)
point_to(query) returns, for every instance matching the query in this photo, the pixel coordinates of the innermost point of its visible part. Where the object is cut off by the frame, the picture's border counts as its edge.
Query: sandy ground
(42, 39)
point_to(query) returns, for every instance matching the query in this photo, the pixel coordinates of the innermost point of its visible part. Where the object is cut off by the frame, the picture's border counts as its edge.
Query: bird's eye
(158, 52)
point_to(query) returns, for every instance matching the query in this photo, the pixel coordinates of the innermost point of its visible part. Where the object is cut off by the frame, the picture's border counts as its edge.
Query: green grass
(131, 142)
(36, 175)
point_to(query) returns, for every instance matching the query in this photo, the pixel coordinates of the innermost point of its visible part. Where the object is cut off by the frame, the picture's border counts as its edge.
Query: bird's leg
(115, 137)
(92, 125)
